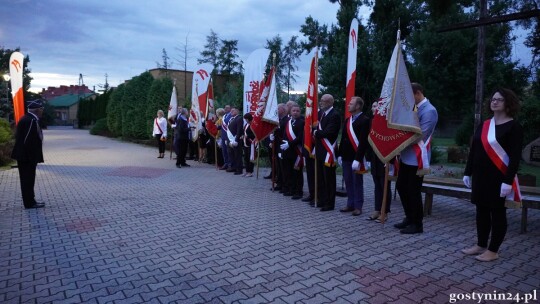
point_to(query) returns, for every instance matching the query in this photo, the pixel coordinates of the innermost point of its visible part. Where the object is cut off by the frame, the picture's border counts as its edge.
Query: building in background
(66, 107)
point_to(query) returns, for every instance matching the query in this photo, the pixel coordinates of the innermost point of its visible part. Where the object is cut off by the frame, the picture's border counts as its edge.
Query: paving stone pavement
(122, 226)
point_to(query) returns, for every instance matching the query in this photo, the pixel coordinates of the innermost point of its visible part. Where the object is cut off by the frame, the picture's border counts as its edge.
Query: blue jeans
(354, 184)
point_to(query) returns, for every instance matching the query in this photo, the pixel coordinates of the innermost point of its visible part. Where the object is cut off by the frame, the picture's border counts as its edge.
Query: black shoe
(178, 166)
(308, 199)
(327, 208)
(403, 224)
(186, 165)
(412, 229)
(35, 206)
(296, 197)
(268, 176)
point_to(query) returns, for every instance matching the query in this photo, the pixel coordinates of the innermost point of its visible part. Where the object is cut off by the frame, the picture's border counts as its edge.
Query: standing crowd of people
(288, 156)
(491, 168)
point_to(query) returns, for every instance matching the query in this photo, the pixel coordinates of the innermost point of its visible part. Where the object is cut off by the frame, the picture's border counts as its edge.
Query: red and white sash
(330, 159)
(500, 159)
(157, 125)
(299, 162)
(421, 150)
(355, 143)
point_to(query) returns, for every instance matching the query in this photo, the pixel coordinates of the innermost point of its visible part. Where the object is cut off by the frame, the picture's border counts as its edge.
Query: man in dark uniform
(181, 131)
(291, 149)
(326, 134)
(236, 131)
(28, 151)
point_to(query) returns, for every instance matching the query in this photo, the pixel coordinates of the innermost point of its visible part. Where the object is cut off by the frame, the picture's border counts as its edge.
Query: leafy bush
(100, 128)
(465, 131)
(6, 142)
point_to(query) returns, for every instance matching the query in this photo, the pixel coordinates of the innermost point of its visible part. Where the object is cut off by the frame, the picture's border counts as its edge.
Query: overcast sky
(123, 38)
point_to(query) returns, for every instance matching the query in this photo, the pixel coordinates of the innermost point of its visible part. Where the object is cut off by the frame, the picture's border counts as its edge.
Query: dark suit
(249, 136)
(354, 181)
(181, 132)
(28, 151)
(329, 125)
(281, 179)
(236, 125)
(292, 157)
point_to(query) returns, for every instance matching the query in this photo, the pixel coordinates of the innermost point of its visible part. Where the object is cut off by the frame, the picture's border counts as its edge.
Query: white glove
(368, 165)
(234, 144)
(272, 137)
(279, 155)
(284, 146)
(173, 126)
(270, 145)
(340, 161)
(505, 189)
(355, 165)
(467, 181)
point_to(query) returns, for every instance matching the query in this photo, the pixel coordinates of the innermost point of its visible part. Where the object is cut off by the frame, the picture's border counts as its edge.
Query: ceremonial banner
(260, 125)
(395, 123)
(173, 105)
(253, 79)
(351, 65)
(311, 103)
(199, 88)
(16, 67)
(211, 112)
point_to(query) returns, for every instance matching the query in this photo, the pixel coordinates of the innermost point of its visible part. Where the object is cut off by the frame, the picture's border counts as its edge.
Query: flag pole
(385, 196)
(273, 162)
(215, 154)
(258, 153)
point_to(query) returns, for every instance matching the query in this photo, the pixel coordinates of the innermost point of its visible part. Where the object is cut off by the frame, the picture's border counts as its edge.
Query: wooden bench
(455, 188)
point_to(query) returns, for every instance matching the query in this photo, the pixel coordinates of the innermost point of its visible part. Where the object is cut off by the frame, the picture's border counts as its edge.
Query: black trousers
(27, 176)
(182, 150)
(237, 155)
(161, 144)
(247, 162)
(491, 220)
(326, 185)
(378, 181)
(409, 187)
(295, 178)
(310, 174)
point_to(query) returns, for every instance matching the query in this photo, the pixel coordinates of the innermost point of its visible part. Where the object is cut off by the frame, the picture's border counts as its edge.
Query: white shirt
(162, 124)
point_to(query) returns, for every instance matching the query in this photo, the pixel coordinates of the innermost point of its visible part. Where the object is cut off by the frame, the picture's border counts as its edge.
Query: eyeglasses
(497, 100)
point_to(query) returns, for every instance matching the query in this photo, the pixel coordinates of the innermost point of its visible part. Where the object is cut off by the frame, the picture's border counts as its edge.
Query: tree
(291, 53)
(228, 59)
(158, 99)
(210, 54)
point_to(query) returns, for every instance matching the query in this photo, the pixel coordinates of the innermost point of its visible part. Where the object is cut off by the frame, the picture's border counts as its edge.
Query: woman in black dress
(491, 170)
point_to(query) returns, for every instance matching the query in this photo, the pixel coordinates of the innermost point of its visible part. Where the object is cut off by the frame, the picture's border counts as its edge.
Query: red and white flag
(254, 78)
(199, 89)
(173, 105)
(262, 126)
(211, 112)
(395, 123)
(16, 69)
(311, 104)
(351, 65)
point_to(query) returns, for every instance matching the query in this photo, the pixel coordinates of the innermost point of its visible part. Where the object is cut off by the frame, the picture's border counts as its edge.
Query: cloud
(66, 38)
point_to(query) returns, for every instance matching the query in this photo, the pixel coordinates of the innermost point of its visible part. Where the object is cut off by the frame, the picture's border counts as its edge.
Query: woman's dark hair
(511, 101)
(248, 116)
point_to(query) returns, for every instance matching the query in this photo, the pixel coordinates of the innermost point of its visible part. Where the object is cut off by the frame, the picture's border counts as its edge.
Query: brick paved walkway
(122, 226)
